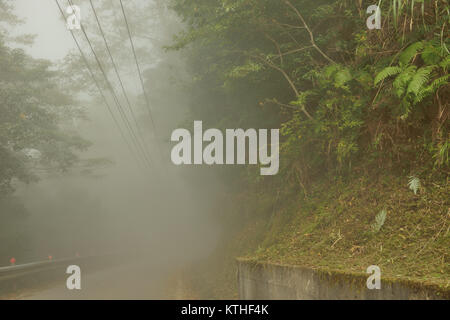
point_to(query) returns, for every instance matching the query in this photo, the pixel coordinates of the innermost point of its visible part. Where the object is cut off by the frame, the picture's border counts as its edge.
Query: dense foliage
(33, 108)
(346, 95)
(361, 112)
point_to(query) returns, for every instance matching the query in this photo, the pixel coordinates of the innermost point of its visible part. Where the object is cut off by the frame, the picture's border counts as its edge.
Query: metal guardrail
(11, 272)
(14, 278)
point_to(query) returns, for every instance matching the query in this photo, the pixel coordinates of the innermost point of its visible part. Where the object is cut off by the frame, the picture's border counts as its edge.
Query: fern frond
(400, 83)
(407, 54)
(439, 82)
(444, 64)
(379, 221)
(421, 77)
(429, 90)
(387, 72)
(422, 94)
(414, 184)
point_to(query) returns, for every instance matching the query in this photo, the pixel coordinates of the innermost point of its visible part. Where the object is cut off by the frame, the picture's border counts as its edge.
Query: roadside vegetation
(365, 132)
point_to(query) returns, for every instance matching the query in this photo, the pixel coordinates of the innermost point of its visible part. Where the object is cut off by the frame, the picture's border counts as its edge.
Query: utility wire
(116, 100)
(100, 90)
(120, 79)
(147, 101)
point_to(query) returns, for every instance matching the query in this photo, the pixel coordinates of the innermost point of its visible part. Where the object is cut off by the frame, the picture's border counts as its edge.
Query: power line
(99, 88)
(115, 98)
(147, 101)
(119, 78)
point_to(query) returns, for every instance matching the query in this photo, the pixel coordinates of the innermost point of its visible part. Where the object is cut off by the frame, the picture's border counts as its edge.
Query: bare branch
(283, 105)
(286, 76)
(311, 36)
(295, 50)
(276, 45)
(275, 101)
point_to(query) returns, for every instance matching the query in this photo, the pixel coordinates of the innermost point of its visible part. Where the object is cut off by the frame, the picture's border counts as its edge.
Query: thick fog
(120, 207)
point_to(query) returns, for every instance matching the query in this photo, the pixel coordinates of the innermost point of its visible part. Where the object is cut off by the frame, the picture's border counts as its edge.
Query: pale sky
(53, 40)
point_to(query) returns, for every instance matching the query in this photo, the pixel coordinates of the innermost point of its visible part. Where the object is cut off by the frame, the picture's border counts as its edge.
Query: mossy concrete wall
(260, 281)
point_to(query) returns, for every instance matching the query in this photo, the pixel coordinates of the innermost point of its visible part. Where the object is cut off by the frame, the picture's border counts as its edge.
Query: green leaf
(431, 54)
(421, 77)
(387, 72)
(342, 77)
(379, 221)
(400, 83)
(414, 184)
(407, 54)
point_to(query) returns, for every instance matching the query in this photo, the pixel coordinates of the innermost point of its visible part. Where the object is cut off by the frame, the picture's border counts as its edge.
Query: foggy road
(137, 281)
(224, 150)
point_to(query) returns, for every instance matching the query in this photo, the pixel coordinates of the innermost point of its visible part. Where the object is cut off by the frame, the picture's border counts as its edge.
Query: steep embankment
(332, 229)
(359, 111)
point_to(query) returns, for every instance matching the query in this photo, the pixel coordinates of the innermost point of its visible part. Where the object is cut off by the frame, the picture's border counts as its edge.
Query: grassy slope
(331, 229)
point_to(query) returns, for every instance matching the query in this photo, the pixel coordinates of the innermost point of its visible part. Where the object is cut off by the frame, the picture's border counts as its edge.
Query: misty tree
(31, 105)
(33, 110)
(39, 101)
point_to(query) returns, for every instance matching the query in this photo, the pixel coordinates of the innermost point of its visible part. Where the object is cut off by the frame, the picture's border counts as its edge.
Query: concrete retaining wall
(258, 281)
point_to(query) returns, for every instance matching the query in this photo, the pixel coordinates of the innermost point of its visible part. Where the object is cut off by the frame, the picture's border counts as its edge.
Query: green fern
(402, 80)
(414, 184)
(420, 78)
(422, 94)
(379, 221)
(387, 72)
(412, 84)
(445, 63)
(439, 82)
(409, 53)
(428, 90)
